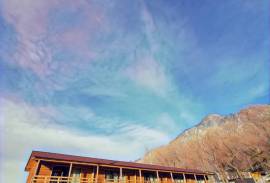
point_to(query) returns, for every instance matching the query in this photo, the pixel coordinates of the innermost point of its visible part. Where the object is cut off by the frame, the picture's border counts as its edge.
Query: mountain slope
(236, 142)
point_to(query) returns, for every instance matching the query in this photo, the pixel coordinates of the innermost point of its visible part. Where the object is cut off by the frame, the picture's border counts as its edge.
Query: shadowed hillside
(235, 143)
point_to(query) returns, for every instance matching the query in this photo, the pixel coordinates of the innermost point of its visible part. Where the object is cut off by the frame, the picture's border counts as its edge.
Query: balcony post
(205, 180)
(157, 176)
(70, 168)
(195, 177)
(172, 177)
(121, 174)
(96, 180)
(140, 173)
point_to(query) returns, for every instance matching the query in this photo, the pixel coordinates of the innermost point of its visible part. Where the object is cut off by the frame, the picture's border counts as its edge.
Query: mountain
(237, 142)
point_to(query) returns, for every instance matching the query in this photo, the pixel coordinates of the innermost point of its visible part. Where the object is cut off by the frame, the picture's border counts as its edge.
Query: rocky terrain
(237, 143)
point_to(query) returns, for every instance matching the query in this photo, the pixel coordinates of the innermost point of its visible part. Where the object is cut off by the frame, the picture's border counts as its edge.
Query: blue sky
(114, 79)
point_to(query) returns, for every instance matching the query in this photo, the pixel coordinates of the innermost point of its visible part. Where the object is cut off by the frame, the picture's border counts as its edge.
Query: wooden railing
(58, 179)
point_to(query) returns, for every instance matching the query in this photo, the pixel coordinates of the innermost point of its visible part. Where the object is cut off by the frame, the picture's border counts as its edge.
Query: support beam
(195, 177)
(172, 176)
(157, 176)
(205, 180)
(96, 180)
(121, 174)
(70, 169)
(140, 173)
(185, 181)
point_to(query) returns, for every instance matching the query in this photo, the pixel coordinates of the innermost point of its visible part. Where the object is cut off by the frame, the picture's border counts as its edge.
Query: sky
(113, 79)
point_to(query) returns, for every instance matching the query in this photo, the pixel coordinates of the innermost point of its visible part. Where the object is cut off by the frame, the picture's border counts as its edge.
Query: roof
(73, 158)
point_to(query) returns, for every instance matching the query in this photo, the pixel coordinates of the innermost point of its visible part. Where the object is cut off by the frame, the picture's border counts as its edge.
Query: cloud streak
(27, 129)
(148, 73)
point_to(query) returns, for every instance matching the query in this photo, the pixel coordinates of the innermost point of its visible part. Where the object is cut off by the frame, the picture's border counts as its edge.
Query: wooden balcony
(58, 168)
(60, 179)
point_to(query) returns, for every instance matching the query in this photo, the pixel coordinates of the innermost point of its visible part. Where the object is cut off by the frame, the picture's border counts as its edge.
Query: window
(111, 176)
(60, 171)
(178, 178)
(150, 177)
(76, 175)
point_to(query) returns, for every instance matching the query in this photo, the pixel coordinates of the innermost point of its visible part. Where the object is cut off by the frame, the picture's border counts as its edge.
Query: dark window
(111, 176)
(60, 171)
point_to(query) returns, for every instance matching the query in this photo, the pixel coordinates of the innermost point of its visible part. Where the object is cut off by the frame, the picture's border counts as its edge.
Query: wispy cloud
(247, 73)
(149, 74)
(147, 70)
(28, 129)
(30, 21)
(36, 33)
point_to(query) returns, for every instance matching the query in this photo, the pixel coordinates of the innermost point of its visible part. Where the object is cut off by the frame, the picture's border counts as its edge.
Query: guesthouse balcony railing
(59, 179)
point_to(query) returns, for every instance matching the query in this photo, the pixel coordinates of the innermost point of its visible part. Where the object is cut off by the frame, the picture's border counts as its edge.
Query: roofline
(99, 161)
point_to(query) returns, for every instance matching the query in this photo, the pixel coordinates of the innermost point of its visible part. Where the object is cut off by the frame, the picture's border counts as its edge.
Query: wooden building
(45, 167)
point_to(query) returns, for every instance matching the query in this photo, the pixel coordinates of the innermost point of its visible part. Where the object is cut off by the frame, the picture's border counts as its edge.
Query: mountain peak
(211, 120)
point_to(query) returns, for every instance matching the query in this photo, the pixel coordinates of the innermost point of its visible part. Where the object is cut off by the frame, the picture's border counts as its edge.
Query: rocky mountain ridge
(236, 142)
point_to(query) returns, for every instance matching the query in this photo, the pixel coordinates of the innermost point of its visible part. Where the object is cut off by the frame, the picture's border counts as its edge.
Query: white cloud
(166, 122)
(232, 72)
(150, 27)
(25, 130)
(148, 73)
(148, 136)
(187, 116)
(31, 21)
(260, 90)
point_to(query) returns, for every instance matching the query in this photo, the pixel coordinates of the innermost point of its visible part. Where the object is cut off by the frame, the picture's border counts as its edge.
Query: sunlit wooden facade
(44, 167)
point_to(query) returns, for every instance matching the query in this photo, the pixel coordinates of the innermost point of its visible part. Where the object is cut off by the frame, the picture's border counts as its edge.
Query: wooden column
(121, 175)
(172, 177)
(184, 178)
(140, 173)
(195, 177)
(70, 169)
(96, 180)
(205, 180)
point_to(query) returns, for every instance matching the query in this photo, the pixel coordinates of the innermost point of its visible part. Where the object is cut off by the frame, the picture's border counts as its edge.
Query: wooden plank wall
(45, 168)
(32, 166)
